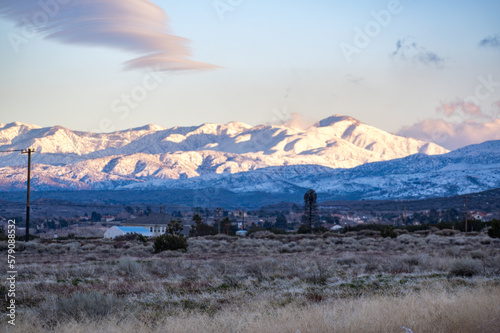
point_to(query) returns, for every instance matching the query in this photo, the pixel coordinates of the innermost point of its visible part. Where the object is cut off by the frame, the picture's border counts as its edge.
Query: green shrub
(494, 232)
(170, 243)
(388, 231)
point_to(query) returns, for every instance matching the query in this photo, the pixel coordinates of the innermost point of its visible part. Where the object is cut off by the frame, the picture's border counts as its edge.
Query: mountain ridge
(151, 154)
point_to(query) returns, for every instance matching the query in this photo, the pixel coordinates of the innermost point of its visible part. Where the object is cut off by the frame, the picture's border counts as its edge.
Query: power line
(27, 151)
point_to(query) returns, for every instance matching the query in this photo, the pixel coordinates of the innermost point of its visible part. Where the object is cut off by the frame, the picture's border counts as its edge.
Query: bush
(92, 305)
(169, 243)
(129, 267)
(388, 231)
(467, 268)
(494, 232)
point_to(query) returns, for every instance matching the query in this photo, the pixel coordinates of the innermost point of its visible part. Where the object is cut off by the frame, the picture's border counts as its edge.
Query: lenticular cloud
(138, 26)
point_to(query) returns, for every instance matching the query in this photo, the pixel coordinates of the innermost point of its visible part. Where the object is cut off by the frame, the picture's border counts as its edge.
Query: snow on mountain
(471, 169)
(150, 155)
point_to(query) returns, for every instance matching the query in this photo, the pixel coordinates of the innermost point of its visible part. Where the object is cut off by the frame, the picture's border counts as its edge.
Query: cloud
(299, 121)
(137, 26)
(408, 50)
(459, 108)
(464, 124)
(292, 120)
(453, 135)
(491, 41)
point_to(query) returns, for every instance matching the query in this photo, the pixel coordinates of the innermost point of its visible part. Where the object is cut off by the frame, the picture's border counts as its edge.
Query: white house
(241, 233)
(156, 223)
(120, 231)
(336, 227)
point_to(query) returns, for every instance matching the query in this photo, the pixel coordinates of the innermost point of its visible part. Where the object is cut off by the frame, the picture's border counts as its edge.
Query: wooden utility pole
(405, 215)
(25, 151)
(466, 213)
(28, 151)
(218, 219)
(243, 219)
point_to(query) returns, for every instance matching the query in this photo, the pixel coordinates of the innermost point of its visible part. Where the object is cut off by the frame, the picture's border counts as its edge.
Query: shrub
(129, 266)
(467, 268)
(388, 231)
(93, 305)
(169, 243)
(478, 254)
(494, 232)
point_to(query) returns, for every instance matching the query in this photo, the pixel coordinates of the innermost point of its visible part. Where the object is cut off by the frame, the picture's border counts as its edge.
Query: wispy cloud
(294, 120)
(491, 41)
(409, 50)
(137, 26)
(461, 124)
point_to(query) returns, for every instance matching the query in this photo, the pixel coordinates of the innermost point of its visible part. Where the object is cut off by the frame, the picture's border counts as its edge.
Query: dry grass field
(438, 281)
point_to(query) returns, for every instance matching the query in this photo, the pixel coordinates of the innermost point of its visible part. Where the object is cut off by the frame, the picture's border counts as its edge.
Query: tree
(129, 210)
(494, 232)
(174, 227)
(281, 222)
(172, 240)
(310, 214)
(200, 229)
(170, 243)
(63, 223)
(226, 225)
(95, 217)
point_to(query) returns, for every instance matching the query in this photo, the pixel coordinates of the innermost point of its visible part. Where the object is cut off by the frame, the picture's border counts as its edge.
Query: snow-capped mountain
(155, 156)
(471, 169)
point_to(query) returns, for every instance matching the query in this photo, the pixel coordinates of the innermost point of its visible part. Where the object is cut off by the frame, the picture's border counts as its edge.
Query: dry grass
(280, 283)
(465, 310)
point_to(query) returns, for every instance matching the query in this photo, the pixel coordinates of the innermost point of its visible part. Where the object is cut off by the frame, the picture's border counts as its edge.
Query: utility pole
(243, 219)
(218, 219)
(26, 151)
(405, 215)
(466, 214)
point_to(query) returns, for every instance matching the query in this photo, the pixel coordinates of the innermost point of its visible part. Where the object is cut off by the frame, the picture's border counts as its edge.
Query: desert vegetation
(426, 281)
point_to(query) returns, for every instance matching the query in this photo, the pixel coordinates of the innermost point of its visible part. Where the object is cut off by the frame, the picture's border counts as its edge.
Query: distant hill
(152, 155)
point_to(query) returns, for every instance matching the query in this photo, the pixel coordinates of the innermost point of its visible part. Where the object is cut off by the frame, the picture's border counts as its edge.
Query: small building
(107, 218)
(121, 231)
(156, 223)
(241, 233)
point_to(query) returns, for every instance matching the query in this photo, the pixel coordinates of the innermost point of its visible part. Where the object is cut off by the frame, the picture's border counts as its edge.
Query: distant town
(51, 218)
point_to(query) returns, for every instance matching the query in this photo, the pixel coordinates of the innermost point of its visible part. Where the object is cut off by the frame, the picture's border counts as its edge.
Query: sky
(425, 69)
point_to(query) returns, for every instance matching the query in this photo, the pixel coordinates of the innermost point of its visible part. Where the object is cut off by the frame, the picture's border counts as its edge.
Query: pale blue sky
(275, 55)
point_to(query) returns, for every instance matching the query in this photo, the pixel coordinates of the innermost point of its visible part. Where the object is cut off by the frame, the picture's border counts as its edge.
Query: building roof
(139, 230)
(151, 219)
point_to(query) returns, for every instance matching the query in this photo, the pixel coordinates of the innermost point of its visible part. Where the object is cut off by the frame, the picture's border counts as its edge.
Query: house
(107, 218)
(241, 233)
(479, 216)
(121, 231)
(336, 227)
(156, 223)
